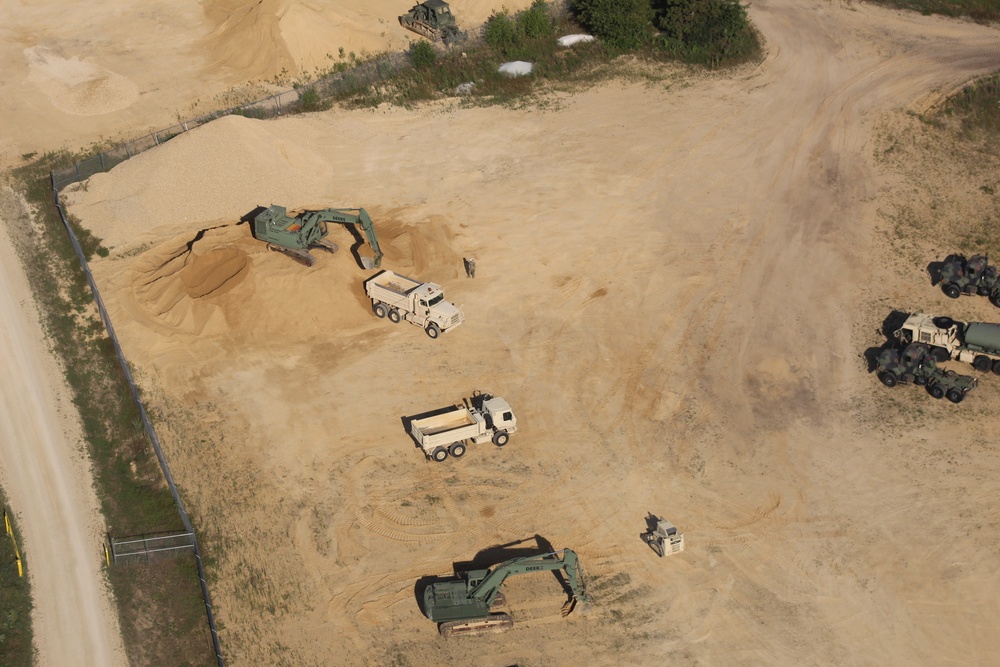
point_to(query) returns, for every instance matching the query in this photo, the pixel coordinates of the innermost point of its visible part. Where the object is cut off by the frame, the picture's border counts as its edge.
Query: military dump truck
(915, 364)
(432, 19)
(970, 276)
(484, 418)
(294, 236)
(400, 298)
(976, 343)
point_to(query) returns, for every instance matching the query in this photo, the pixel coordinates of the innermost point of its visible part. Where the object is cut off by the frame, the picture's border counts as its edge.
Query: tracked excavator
(294, 236)
(463, 607)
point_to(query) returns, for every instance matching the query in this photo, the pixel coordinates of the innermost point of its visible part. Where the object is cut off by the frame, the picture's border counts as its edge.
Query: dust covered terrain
(674, 290)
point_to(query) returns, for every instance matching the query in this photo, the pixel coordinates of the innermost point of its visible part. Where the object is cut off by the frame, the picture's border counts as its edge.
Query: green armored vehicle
(432, 19)
(915, 364)
(970, 276)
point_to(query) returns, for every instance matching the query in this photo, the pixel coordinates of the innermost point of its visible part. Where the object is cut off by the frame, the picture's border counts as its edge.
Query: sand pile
(78, 87)
(229, 168)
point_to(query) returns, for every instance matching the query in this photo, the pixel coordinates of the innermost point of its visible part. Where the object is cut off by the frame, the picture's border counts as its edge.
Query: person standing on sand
(470, 267)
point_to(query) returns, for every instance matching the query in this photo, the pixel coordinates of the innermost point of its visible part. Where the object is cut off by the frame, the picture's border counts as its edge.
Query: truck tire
(951, 290)
(380, 310)
(920, 380)
(501, 438)
(955, 395)
(995, 299)
(940, 354)
(889, 379)
(936, 390)
(439, 454)
(432, 330)
(457, 450)
(982, 363)
(996, 367)
(394, 316)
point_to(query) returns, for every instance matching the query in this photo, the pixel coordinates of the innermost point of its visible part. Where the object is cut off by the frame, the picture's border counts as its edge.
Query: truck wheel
(936, 390)
(394, 316)
(439, 454)
(996, 367)
(955, 395)
(995, 299)
(982, 363)
(432, 330)
(501, 438)
(457, 450)
(920, 380)
(380, 310)
(940, 354)
(889, 379)
(951, 290)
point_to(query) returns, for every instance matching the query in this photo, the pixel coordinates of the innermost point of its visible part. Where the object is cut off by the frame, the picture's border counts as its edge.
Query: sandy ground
(671, 293)
(45, 472)
(81, 72)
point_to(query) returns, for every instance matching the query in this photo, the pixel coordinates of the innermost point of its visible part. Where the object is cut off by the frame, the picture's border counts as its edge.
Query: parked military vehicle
(463, 607)
(970, 276)
(976, 343)
(400, 298)
(432, 19)
(484, 418)
(295, 236)
(915, 364)
(662, 536)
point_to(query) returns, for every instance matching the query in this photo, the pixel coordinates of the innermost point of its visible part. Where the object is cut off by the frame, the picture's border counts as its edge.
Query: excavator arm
(567, 560)
(360, 217)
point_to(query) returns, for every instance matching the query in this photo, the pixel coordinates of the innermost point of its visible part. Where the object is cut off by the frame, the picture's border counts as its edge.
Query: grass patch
(155, 602)
(15, 594)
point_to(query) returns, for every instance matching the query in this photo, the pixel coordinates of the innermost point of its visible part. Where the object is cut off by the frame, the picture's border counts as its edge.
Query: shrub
(309, 100)
(711, 32)
(422, 54)
(623, 24)
(535, 22)
(501, 33)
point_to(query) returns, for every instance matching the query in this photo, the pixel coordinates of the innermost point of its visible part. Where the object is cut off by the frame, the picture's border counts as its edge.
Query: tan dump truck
(400, 298)
(483, 419)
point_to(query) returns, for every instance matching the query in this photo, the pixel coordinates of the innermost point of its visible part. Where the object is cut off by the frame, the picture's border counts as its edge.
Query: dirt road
(46, 475)
(672, 290)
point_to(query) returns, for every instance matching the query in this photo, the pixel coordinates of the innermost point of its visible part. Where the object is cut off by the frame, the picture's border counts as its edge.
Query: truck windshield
(436, 300)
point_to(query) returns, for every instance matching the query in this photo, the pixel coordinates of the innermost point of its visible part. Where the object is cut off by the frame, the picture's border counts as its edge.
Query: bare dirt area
(677, 280)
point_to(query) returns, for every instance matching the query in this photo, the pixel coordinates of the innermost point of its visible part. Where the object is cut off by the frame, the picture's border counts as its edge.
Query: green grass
(980, 10)
(15, 601)
(160, 610)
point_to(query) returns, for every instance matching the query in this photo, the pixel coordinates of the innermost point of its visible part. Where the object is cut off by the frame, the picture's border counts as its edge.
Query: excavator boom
(360, 217)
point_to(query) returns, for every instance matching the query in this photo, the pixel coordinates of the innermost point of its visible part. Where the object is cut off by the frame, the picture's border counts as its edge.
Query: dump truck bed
(446, 428)
(393, 282)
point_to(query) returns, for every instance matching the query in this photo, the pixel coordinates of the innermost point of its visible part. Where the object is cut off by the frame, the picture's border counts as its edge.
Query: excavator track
(480, 626)
(329, 246)
(301, 256)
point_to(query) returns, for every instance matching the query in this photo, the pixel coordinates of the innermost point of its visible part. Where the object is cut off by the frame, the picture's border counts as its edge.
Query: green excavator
(463, 607)
(294, 236)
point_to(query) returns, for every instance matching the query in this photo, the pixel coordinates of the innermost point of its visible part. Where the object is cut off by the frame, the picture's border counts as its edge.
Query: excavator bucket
(568, 608)
(368, 263)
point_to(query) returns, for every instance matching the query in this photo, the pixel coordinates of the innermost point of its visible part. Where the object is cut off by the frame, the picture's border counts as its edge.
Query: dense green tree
(709, 31)
(621, 23)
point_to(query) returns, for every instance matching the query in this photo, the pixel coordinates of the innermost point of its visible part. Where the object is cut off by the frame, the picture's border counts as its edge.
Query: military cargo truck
(400, 298)
(976, 343)
(915, 364)
(483, 419)
(970, 276)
